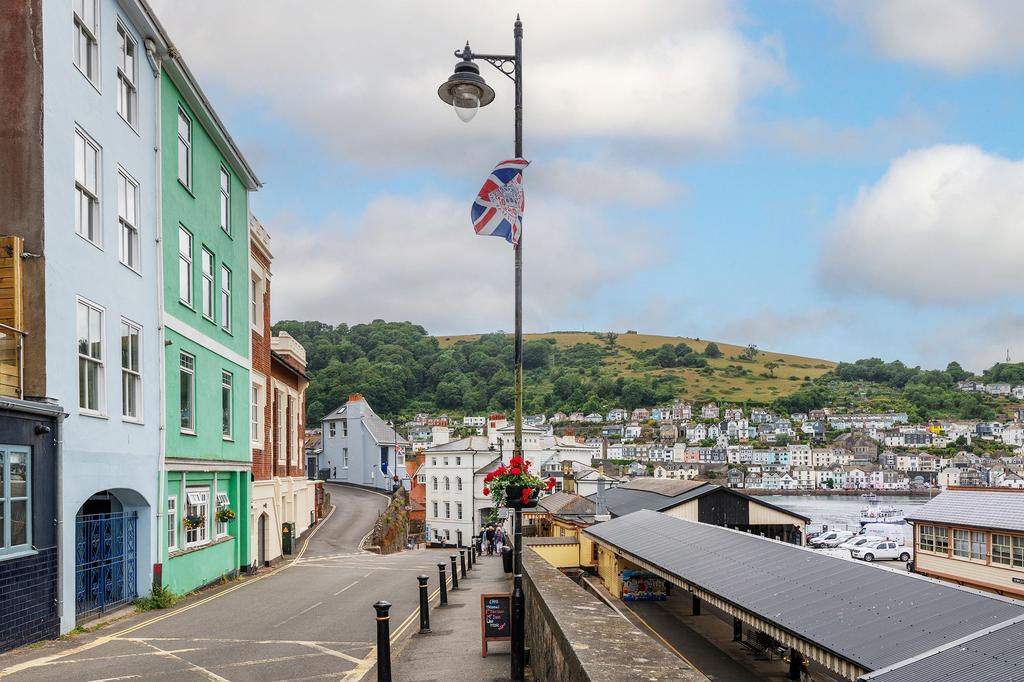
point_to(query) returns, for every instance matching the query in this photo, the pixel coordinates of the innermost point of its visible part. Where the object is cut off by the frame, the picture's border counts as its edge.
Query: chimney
(568, 479)
(601, 512)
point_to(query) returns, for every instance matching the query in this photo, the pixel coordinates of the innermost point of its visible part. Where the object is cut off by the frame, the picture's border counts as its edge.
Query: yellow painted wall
(559, 556)
(560, 529)
(608, 568)
(686, 510)
(761, 515)
(970, 573)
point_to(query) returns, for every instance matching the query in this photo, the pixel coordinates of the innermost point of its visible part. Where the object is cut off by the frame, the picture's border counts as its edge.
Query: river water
(840, 511)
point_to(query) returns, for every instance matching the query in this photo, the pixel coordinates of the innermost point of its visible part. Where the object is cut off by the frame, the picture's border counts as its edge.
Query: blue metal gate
(105, 561)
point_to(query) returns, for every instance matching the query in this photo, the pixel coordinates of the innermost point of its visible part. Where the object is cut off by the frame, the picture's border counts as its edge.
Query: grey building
(361, 448)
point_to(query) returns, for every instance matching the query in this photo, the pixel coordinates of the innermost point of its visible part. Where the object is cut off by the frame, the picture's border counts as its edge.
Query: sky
(837, 179)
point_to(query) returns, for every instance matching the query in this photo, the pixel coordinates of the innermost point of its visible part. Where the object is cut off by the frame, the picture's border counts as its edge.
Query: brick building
(281, 492)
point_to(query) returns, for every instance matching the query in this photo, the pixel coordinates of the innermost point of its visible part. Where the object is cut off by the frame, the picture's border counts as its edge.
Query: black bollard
(455, 572)
(424, 608)
(383, 641)
(444, 584)
(462, 562)
(469, 555)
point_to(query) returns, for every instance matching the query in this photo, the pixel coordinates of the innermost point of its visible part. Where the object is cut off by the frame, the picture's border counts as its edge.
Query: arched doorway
(261, 541)
(106, 561)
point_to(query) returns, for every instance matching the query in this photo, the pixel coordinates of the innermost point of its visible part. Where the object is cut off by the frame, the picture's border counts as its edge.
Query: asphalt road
(308, 620)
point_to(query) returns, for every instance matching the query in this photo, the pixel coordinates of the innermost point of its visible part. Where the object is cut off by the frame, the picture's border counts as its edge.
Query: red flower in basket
(550, 483)
(487, 491)
(526, 495)
(515, 471)
(516, 461)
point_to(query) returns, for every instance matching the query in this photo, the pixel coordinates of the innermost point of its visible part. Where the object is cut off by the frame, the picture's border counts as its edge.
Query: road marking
(345, 588)
(276, 659)
(306, 610)
(364, 666)
(99, 641)
(142, 653)
(212, 676)
(113, 679)
(332, 652)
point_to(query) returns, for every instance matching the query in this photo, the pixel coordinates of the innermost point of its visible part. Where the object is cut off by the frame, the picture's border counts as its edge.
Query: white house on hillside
(361, 448)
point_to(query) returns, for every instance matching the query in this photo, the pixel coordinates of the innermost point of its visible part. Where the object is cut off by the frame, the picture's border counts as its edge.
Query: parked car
(833, 538)
(859, 541)
(882, 550)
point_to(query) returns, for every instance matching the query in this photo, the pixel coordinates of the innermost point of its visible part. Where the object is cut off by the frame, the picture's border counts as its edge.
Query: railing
(12, 362)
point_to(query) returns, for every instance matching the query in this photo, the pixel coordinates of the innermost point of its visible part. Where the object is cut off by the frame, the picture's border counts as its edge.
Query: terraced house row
(138, 376)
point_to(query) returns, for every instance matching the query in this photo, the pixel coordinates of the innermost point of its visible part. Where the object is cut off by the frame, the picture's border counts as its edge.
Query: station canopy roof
(871, 616)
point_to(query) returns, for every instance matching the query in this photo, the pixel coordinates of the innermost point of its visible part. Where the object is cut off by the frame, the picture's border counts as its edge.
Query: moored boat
(882, 514)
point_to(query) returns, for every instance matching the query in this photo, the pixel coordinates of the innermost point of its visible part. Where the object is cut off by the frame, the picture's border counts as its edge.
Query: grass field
(760, 385)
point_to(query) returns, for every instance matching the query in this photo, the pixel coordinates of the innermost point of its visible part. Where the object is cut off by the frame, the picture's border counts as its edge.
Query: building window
(223, 503)
(86, 46)
(226, 398)
(128, 219)
(447, 484)
(87, 188)
(433, 482)
(458, 483)
(197, 516)
(458, 510)
(1001, 549)
(255, 303)
(435, 510)
(331, 430)
(288, 439)
(1018, 551)
(131, 371)
(184, 266)
(172, 523)
(593, 551)
(187, 380)
(90, 358)
(126, 90)
(344, 428)
(979, 545)
(344, 457)
(458, 461)
(421, 479)
(207, 284)
(433, 461)
(225, 201)
(15, 499)
(447, 510)
(254, 409)
(184, 149)
(225, 298)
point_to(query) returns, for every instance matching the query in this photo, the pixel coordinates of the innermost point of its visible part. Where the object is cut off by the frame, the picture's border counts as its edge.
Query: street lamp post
(467, 91)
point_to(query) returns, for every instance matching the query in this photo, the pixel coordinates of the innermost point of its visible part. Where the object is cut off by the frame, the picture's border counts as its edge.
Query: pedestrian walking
(490, 540)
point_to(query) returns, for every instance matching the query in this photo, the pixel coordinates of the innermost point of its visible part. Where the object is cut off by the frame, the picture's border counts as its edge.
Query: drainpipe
(58, 441)
(161, 537)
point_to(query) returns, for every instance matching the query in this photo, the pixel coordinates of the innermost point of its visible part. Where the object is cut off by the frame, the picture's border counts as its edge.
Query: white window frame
(185, 147)
(89, 307)
(130, 374)
(256, 418)
(458, 510)
(221, 501)
(130, 250)
(447, 510)
(279, 429)
(433, 482)
(256, 302)
(190, 373)
(7, 500)
(447, 484)
(206, 268)
(202, 497)
(225, 200)
(227, 392)
(88, 227)
(127, 76)
(225, 298)
(344, 428)
(435, 511)
(331, 430)
(344, 458)
(90, 31)
(185, 259)
(458, 483)
(172, 523)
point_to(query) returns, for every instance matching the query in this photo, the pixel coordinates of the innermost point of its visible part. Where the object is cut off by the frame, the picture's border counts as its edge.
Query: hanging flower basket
(514, 486)
(192, 522)
(226, 514)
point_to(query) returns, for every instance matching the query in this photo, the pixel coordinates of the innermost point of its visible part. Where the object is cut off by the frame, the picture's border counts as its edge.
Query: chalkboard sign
(495, 619)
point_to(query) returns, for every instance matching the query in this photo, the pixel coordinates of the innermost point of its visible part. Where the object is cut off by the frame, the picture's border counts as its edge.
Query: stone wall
(573, 637)
(391, 531)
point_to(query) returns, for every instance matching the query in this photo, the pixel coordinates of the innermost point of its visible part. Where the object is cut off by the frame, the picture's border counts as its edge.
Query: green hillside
(401, 369)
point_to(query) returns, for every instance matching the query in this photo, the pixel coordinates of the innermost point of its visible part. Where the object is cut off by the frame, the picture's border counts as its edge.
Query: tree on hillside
(771, 367)
(749, 353)
(610, 338)
(712, 351)
(536, 354)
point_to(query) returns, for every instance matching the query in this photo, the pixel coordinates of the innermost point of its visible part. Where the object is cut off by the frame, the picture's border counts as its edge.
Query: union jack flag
(498, 209)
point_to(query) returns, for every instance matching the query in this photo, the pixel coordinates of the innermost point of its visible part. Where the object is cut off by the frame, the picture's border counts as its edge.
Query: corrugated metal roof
(467, 444)
(868, 615)
(626, 499)
(996, 656)
(984, 509)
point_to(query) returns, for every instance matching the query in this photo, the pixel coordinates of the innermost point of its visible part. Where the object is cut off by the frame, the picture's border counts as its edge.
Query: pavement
(452, 650)
(311, 618)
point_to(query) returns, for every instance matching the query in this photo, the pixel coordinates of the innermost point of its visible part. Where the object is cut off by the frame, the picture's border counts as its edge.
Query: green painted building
(205, 477)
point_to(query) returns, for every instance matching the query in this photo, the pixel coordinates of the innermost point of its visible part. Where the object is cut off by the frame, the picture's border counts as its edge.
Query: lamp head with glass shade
(466, 89)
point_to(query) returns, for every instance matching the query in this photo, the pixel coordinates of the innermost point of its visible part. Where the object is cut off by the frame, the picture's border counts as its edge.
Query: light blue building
(102, 320)
(361, 448)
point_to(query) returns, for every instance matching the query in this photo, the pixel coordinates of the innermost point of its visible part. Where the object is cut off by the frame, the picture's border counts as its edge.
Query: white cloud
(417, 259)
(603, 182)
(884, 137)
(953, 36)
(978, 342)
(943, 225)
(363, 77)
(776, 329)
